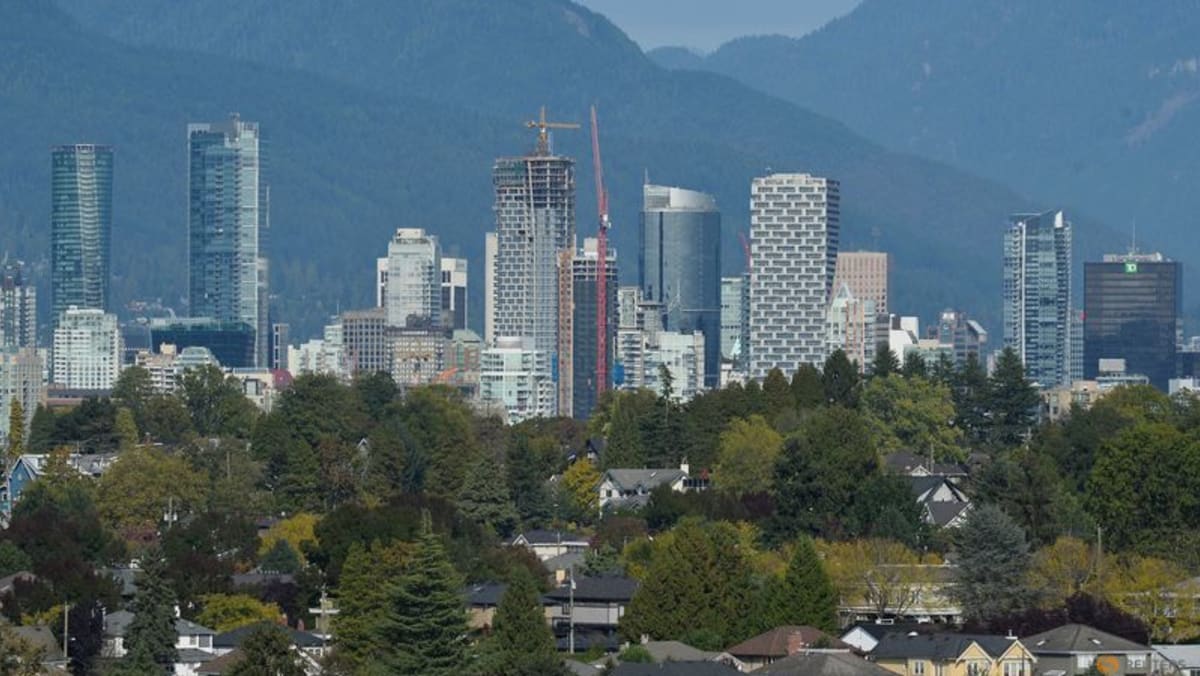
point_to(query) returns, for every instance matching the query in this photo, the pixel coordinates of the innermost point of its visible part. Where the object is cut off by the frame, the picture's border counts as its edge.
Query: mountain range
(387, 114)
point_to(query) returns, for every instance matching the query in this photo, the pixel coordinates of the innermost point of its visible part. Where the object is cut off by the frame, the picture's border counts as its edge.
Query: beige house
(953, 655)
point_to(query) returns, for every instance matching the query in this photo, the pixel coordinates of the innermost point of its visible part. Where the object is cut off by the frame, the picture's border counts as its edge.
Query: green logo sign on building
(1131, 268)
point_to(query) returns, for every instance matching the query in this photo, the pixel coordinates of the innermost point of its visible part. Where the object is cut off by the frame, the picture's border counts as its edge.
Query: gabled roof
(943, 513)
(619, 589)
(676, 651)
(188, 628)
(87, 464)
(906, 463)
(823, 664)
(774, 643)
(117, 623)
(547, 537)
(643, 480)
(878, 631)
(485, 594)
(234, 637)
(674, 669)
(1071, 639)
(222, 665)
(923, 487)
(564, 561)
(938, 647)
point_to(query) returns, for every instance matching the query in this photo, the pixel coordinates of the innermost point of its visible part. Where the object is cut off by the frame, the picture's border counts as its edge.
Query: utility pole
(571, 618)
(66, 626)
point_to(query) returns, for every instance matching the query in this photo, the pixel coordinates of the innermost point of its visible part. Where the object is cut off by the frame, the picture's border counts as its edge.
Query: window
(1015, 668)
(1084, 661)
(917, 668)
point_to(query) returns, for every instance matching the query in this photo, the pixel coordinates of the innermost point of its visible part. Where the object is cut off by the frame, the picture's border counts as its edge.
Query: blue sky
(706, 24)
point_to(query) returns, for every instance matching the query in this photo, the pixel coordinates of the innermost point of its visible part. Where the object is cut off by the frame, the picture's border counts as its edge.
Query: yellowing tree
(582, 481)
(880, 576)
(1160, 593)
(295, 530)
(225, 612)
(747, 455)
(1063, 569)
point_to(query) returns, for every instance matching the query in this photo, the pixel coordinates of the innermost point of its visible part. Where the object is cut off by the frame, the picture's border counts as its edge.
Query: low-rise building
(29, 467)
(954, 655)
(632, 487)
(596, 604)
(778, 643)
(547, 544)
(1076, 648)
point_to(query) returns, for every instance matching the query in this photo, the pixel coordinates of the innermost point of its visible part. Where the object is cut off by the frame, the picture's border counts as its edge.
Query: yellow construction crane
(543, 142)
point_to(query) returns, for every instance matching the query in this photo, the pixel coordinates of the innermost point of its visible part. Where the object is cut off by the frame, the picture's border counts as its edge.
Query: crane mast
(601, 264)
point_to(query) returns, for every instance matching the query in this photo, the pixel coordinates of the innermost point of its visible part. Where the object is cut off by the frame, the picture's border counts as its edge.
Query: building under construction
(577, 335)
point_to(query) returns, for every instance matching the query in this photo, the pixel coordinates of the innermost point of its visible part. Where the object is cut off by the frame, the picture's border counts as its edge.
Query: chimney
(684, 467)
(795, 642)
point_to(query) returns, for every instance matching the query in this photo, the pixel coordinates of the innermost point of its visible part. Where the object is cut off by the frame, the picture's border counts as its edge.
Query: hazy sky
(705, 24)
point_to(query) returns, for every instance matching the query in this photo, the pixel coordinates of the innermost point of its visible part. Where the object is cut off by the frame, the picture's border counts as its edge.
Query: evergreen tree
(281, 558)
(133, 390)
(485, 500)
(151, 636)
(808, 390)
(126, 428)
(16, 431)
(527, 482)
(777, 393)
(915, 366)
(970, 394)
(43, 431)
(426, 624)
(885, 363)
(363, 599)
(805, 595)
(268, 652)
(993, 565)
(521, 643)
(1011, 400)
(840, 379)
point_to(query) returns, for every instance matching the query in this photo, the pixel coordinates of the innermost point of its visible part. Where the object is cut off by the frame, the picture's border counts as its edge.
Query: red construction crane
(745, 248)
(601, 264)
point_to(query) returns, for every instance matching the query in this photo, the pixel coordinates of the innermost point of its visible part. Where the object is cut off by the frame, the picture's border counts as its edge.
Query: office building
(80, 227)
(794, 230)
(365, 341)
(18, 308)
(454, 294)
(577, 336)
(850, 327)
(1037, 295)
(231, 342)
(280, 335)
(1131, 311)
(682, 354)
(228, 224)
(535, 222)
(965, 335)
(489, 287)
(679, 264)
(87, 350)
(417, 356)
(381, 277)
(735, 317)
(20, 381)
(516, 380)
(414, 280)
(866, 273)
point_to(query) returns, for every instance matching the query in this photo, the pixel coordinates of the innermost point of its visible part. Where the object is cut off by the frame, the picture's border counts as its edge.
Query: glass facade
(1037, 295)
(679, 265)
(1131, 311)
(80, 227)
(232, 343)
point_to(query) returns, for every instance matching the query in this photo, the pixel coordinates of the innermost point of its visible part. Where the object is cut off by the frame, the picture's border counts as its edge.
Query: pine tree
(805, 595)
(1011, 400)
(993, 565)
(885, 362)
(151, 636)
(915, 366)
(521, 643)
(777, 393)
(126, 429)
(485, 500)
(16, 431)
(840, 378)
(808, 392)
(268, 652)
(363, 599)
(527, 482)
(426, 624)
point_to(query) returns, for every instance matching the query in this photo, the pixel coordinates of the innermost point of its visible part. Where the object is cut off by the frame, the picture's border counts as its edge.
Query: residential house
(40, 637)
(864, 636)
(676, 651)
(778, 643)
(220, 666)
(953, 655)
(911, 464)
(596, 604)
(823, 664)
(1075, 648)
(631, 488)
(674, 669)
(482, 601)
(945, 505)
(560, 567)
(1184, 658)
(310, 644)
(547, 544)
(194, 643)
(29, 467)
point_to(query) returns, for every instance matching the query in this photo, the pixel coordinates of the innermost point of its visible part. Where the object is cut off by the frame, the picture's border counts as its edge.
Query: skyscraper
(228, 222)
(87, 350)
(967, 336)
(577, 329)
(866, 273)
(414, 280)
(1037, 295)
(454, 293)
(80, 227)
(535, 221)
(489, 287)
(18, 308)
(679, 264)
(794, 229)
(733, 317)
(1131, 311)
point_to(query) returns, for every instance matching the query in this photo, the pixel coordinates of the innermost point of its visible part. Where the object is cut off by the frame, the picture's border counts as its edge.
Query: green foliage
(166, 420)
(280, 558)
(485, 498)
(805, 595)
(808, 387)
(133, 391)
(1012, 401)
(993, 565)
(203, 551)
(135, 493)
(151, 634)
(885, 362)
(521, 643)
(225, 612)
(777, 393)
(912, 414)
(601, 561)
(841, 380)
(363, 599)
(19, 657)
(915, 366)
(268, 651)
(16, 431)
(884, 508)
(1026, 485)
(126, 429)
(527, 482)
(216, 403)
(12, 559)
(426, 623)
(749, 451)
(636, 654)
(376, 390)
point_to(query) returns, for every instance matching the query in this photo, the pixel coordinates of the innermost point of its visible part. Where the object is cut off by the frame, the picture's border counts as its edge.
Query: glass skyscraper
(1131, 310)
(679, 265)
(80, 227)
(228, 219)
(1037, 295)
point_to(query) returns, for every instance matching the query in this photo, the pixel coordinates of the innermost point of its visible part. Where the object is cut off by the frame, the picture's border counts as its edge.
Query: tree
(362, 594)
(167, 420)
(268, 651)
(777, 393)
(970, 390)
(885, 362)
(295, 530)
(126, 428)
(841, 380)
(485, 499)
(1162, 594)
(912, 414)
(151, 635)
(527, 482)
(12, 559)
(133, 391)
(142, 484)
(805, 595)
(884, 508)
(521, 643)
(216, 403)
(883, 575)
(601, 561)
(915, 366)
(18, 656)
(377, 390)
(16, 431)
(808, 390)
(747, 456)
(1011, 400)
(280, 559)
(43, 430)
(1059, 571)
(582, 483)
(426, 623)
(225, 612)
(993, 565)
(1025, 483)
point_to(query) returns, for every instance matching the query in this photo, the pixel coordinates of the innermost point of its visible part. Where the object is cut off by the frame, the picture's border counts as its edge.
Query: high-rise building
(381, 277)
(489, 287)
(232, 343)
(18, 308)
(228, 224)
(365, 341)
(1131, 310)
(734, 317)
(418, 356)
(454, 294)
(279, 345)
(80, 227)
(414, 280)
(21, 381)
(535, 222)
(966, 336)
(850, 326)
(866, 273)
(87, 350)
(517, 379)
(577, 328)
(1037, 295)
(794, 229)
(679, 264)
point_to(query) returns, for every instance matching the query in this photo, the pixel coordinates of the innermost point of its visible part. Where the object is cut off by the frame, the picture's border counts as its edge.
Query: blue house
(28, 468)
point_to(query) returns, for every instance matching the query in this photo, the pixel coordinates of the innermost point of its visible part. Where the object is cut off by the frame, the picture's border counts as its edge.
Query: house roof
(643, 480)
(126, 577)
(1079, 638)
(564, 561)
(193, 656)
(943, 513)
(234, 637)
(924, 486)
(596, 589)
(905, 463)
(1182, 656)
(222, 664)
(85, 463)
(40, 636)
(823, 664)
(117, 623)
(938, 647)
(774, 643)
(547, 537)
(485, 594)
(188, 628)
(9, 581)
(676, 651)
(674, 669)
(582, 668)
(878, 631)
(255, 579)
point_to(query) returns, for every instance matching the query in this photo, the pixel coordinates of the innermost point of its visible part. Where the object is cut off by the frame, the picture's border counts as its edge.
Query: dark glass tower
(1131, 308)
(80, 227)
(679, 265)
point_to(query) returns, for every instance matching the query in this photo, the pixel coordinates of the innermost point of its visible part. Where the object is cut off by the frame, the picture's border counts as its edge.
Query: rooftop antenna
(646, 176)
(1133, 241)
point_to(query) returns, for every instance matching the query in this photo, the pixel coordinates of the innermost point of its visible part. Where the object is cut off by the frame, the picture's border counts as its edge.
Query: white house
(632, 487)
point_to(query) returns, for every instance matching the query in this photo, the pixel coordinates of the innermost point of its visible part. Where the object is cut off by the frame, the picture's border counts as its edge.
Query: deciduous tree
(225, 612)
(748, 453)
